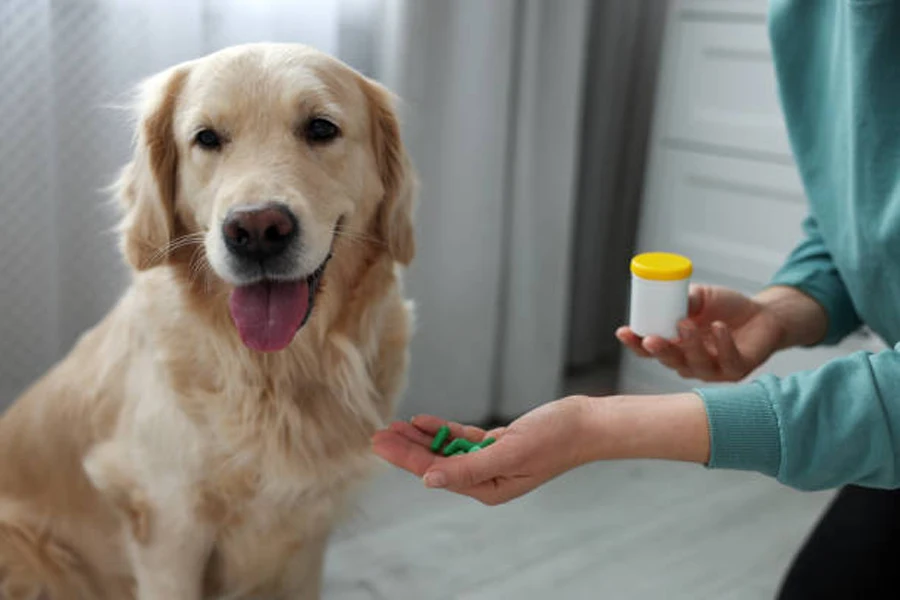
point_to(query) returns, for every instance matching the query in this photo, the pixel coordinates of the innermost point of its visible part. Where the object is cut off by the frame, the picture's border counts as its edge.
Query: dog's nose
(259, 232)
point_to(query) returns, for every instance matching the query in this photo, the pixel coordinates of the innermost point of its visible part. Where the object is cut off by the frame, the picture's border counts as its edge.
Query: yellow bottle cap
(661, 266)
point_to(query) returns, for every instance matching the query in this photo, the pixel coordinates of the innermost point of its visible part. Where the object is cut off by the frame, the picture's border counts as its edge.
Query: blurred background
(554, 139)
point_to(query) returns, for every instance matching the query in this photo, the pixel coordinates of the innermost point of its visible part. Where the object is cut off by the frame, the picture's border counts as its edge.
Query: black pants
(853, 552)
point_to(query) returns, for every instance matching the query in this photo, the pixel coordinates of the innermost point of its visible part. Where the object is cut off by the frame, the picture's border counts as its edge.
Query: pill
(439, 439)
(457, 444)
(452, 447)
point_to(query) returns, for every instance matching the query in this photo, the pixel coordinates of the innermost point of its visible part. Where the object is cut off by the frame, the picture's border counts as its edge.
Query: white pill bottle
(659, 293)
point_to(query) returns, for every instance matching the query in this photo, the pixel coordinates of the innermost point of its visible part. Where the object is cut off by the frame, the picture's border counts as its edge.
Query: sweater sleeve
(810, 269)
(821, 429)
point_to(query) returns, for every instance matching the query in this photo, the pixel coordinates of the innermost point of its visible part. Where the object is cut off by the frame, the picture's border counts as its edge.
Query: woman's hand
(550, 440)
(728, 335)
(529, 452)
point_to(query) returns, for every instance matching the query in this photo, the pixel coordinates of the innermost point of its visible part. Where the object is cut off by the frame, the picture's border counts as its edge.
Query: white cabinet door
(717, 91)
(734, 217)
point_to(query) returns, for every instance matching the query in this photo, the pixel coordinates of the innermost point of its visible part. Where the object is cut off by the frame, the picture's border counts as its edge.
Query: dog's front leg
(304, 579)
(169, 545)
(170, 561)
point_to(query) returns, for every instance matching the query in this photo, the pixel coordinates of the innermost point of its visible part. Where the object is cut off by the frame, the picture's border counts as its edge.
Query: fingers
(712, 357)
(430, 425)
(482, 475)
(696, 356)
(408, 446)
(401, 452)
(466, 471)
(665, 352)
(731, 364)
(459, 473)
(412, 433)
(632, 341)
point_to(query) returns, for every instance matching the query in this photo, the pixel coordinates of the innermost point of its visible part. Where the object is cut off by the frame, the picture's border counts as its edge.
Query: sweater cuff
(829, 292)
(743, 427)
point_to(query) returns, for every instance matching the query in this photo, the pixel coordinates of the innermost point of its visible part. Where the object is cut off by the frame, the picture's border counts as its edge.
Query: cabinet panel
(730, 216)
(719, 86)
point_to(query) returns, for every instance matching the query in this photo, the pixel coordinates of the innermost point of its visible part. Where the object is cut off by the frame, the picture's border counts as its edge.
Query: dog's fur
(162, 459)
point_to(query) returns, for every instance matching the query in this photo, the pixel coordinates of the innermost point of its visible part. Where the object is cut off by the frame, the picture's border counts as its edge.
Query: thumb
(468, 470)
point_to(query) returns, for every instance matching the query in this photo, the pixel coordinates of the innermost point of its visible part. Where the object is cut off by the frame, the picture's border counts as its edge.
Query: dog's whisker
(197, 265)
(352, 233)
(356, 242)
(180, 245)
(176, 244)
(196, 272)
(356, 236)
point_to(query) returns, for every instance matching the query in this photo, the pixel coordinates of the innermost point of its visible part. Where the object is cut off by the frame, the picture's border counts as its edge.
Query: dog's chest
(278, 463)
(276, 510)
(272, 545)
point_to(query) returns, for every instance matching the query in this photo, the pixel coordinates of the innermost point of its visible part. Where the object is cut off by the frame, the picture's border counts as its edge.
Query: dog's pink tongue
(268, 314)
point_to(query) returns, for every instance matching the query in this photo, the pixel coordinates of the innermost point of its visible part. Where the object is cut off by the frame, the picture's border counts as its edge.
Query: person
(838, 71)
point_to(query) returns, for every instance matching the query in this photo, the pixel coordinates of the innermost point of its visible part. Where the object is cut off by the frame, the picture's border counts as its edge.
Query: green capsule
(457, 444)
(487, 442)
(439, 439)
(452, 447)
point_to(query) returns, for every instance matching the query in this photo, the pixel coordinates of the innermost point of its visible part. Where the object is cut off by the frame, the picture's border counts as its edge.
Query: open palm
(533, 449)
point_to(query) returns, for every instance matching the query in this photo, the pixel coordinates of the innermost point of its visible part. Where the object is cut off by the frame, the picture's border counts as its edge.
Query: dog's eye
(320, 130)
(208, 139)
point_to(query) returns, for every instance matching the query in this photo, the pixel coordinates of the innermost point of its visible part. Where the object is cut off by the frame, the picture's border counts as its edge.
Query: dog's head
(254, 159)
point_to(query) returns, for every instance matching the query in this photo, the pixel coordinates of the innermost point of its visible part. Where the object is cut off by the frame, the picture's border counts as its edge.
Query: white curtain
(492, 96)
(491, 93)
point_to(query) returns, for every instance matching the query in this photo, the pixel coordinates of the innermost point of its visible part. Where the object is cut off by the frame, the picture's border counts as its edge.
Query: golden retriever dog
(203, 438)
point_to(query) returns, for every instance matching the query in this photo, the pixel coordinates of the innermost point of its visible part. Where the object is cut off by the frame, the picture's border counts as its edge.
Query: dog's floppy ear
(146, 188)
(395, 214)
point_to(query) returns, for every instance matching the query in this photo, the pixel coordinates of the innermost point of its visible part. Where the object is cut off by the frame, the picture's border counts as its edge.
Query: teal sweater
(838, 70)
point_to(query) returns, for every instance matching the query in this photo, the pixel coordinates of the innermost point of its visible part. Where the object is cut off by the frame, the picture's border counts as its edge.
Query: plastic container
(659, 293)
